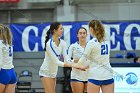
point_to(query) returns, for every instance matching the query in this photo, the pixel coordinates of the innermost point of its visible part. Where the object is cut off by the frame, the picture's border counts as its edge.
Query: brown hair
(53, 26)
(98, 29)
(6, 34)
(1, 36)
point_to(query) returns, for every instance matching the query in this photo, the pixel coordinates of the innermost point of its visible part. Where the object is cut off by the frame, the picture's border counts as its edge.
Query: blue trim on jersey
(7, 76)
(53, 49)
(101, 82)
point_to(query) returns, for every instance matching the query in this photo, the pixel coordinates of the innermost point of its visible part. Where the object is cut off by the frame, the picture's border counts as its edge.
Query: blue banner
(31, 37)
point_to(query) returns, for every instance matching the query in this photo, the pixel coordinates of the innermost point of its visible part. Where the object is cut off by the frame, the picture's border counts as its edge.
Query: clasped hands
(74, 64)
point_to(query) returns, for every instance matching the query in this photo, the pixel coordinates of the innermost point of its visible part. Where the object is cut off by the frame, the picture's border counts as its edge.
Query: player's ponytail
(47, 38)
(5, 34)
(8, 35)
(98, 29)
(1, 31)
(53, 26)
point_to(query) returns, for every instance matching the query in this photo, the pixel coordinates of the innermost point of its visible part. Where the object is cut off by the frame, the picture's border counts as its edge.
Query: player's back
(99, 62)
(7, 56)
(101, 52)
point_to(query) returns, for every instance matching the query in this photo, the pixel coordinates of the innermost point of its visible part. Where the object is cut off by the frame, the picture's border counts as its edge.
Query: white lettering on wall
(25, 38)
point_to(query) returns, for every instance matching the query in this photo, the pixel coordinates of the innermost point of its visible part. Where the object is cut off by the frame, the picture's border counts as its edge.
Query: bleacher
(30, 61)
(124, 59)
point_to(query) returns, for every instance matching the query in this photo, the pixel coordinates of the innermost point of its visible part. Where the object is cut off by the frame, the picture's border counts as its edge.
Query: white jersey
(6, 56)
(75, 51)
(51, 62)
(98, 54)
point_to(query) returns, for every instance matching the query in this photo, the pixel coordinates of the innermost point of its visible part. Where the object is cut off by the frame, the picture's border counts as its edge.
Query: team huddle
(88, 60)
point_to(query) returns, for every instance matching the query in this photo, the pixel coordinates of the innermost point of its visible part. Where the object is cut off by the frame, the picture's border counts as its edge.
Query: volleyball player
(7, 74)
(75, 51)
(54, 48)
(97, 51)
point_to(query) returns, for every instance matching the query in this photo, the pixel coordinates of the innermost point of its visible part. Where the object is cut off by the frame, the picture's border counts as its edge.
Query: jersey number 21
(104, 49)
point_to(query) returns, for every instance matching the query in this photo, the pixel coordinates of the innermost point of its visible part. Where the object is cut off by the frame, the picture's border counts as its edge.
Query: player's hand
(76, 60)
(82, 68)
(67, 64)
(74, 65)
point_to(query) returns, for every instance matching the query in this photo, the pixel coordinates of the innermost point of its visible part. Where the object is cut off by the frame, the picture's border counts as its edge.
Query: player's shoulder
(74, 44)
(1, 43)
(62, 43)
(105, 42)
(49, 41)
(93, 41)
